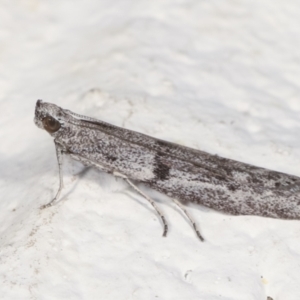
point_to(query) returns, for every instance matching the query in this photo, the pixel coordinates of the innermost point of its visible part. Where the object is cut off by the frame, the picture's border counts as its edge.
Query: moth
(184, 174)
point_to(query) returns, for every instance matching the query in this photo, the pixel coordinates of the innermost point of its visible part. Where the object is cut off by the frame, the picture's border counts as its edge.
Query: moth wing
(236, 171)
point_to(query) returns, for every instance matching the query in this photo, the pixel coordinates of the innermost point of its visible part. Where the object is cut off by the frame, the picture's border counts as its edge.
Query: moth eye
(50, 124)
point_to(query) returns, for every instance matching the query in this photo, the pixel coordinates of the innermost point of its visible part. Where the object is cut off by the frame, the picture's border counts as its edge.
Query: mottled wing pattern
(237, 171)
(195, 176)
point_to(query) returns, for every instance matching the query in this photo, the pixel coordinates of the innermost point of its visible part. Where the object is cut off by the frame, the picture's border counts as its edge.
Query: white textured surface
(221, 76)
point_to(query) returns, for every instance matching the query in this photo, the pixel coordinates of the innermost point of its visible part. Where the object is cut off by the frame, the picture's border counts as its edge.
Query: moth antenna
(81, 117)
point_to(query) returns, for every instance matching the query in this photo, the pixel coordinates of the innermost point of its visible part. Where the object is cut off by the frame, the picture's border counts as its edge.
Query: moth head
(48, 116)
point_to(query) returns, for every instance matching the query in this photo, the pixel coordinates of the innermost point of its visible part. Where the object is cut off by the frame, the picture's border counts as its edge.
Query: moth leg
(190, 218)
(59, 155)
(153, 204)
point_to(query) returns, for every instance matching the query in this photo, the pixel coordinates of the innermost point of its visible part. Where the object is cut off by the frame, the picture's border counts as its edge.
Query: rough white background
(220, 76)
